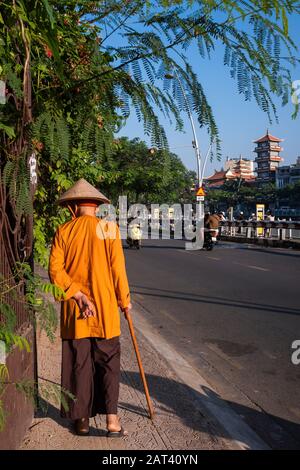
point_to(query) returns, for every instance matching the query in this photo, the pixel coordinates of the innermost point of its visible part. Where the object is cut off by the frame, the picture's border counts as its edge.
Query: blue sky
(239, 122)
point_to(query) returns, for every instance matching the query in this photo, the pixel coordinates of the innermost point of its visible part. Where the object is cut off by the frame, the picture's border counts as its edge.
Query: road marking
(215, 259)
(167, 314)
(224, 356)
(189, 252)
(259, 268)
(139, 296)
(269, 355)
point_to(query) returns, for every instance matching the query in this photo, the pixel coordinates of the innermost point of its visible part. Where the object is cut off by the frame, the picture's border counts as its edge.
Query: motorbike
(134, 238)
(132, 243)
(210, 238)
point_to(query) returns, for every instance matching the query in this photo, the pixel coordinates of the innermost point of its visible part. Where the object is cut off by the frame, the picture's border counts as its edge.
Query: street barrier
(275, 230)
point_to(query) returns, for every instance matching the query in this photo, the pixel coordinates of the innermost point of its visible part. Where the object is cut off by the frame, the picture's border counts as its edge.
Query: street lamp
(195, 140)
(195, 144)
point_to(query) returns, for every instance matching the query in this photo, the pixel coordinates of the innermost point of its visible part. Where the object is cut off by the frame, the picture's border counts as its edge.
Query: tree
(238, 192)
(145, 176)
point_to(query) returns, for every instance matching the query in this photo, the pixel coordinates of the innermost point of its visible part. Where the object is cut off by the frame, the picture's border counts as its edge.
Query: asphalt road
(233, 313)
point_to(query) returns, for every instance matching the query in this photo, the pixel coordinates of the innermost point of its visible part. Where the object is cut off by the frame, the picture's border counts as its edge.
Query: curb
(264, 242)
(241, 436)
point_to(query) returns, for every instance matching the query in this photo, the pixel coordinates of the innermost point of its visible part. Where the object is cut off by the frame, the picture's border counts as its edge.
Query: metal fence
(277, 230)
(15, 233)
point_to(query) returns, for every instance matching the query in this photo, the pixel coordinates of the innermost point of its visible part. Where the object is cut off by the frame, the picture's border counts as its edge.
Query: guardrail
(278, 230)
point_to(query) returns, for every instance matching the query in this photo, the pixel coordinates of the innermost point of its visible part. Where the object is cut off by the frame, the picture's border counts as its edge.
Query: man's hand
(126, 310)
(86, 307)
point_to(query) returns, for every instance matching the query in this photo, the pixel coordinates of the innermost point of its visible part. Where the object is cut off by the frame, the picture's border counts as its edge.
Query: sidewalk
(263, 242)
(178, 423)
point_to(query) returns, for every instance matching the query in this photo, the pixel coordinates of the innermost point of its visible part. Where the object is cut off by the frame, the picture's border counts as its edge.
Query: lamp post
(195, 143)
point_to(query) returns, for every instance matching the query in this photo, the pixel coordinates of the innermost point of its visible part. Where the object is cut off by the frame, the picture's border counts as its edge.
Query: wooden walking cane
(135, 345)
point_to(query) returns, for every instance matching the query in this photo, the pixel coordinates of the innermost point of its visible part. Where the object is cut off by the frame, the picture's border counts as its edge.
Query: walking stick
(135, 345)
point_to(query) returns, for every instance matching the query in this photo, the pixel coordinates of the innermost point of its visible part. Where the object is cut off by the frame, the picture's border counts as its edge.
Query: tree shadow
(206, 299)
(194, 410)
(48, 410)
(186, 403)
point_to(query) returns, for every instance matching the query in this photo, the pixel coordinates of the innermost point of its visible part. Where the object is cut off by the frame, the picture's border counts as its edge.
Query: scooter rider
(211, 222)
(134, 235)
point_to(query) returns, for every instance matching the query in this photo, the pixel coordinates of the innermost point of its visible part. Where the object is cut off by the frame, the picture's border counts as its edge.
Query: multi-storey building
(268, 158)
(241, 167)
(288, 174)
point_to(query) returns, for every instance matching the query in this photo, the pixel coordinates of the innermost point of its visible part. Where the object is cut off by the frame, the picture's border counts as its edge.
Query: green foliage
(16, 178)
(48, 392)
(11, 339)
(40, 310)
(145, 177)
(237, 192)
(290, 195)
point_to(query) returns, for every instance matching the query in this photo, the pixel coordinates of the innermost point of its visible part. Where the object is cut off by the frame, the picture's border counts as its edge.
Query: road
(233, 313)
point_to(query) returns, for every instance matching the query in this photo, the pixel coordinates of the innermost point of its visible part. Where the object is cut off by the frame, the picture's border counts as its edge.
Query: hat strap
(71, 210)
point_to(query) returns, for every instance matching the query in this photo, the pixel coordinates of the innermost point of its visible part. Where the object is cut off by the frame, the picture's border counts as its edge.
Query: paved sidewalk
(178, 424)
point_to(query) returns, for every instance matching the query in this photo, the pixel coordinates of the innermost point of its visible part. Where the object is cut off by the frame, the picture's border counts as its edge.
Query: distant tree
(147, 175)
(237, 192)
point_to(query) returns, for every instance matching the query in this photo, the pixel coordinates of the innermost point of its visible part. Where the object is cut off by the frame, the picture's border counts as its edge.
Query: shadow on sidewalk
(172, 397)
(47, 410)
(206, 299)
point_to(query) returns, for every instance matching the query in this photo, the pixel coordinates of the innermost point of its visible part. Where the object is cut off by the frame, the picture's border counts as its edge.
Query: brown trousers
(91, 372)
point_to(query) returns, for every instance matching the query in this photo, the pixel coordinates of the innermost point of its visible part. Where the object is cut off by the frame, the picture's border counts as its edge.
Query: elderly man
(87, 263)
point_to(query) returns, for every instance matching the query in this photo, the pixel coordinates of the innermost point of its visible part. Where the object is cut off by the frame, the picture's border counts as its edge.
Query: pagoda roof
(268, 138)
(218, 175)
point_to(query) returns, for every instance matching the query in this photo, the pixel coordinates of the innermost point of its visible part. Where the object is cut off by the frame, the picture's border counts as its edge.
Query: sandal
(120, 433)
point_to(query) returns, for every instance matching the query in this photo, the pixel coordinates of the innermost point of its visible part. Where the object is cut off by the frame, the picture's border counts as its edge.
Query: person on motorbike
(134, 235)
(211, 223)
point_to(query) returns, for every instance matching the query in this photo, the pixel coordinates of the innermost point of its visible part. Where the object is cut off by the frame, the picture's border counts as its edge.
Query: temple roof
(268, 138)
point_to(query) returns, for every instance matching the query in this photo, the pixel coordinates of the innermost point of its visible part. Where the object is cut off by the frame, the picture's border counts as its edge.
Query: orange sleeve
(119, 270)
(57, 273)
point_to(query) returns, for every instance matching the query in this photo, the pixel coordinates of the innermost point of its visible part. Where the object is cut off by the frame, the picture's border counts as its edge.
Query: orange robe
(87, 255)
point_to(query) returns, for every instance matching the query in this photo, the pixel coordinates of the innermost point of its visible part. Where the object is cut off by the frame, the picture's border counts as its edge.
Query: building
(217, 180)
(235, 169)
(268, 158)
(288, 174)
(241, 167)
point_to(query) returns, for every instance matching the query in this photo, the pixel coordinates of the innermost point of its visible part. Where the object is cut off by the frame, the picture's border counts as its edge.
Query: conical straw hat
(82, 190)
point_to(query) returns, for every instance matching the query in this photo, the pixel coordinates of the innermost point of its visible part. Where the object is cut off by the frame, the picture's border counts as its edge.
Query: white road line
(224, 356)
(211, 257)
(189, 252)
(259, 268)
(139, 296)
(171, 317)
(269, 355)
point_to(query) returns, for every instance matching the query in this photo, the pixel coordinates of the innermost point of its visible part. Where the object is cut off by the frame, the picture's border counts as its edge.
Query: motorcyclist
(134, 235)
(212, 222)
(211, 228)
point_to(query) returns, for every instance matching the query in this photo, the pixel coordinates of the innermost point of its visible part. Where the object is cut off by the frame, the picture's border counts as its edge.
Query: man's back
(87, 255)
(213, 221)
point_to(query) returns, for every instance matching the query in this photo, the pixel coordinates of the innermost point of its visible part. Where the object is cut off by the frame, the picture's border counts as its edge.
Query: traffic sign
(200, 198)
(201, 192)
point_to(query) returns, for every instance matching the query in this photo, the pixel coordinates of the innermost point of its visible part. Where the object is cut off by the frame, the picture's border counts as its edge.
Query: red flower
(48, 51)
